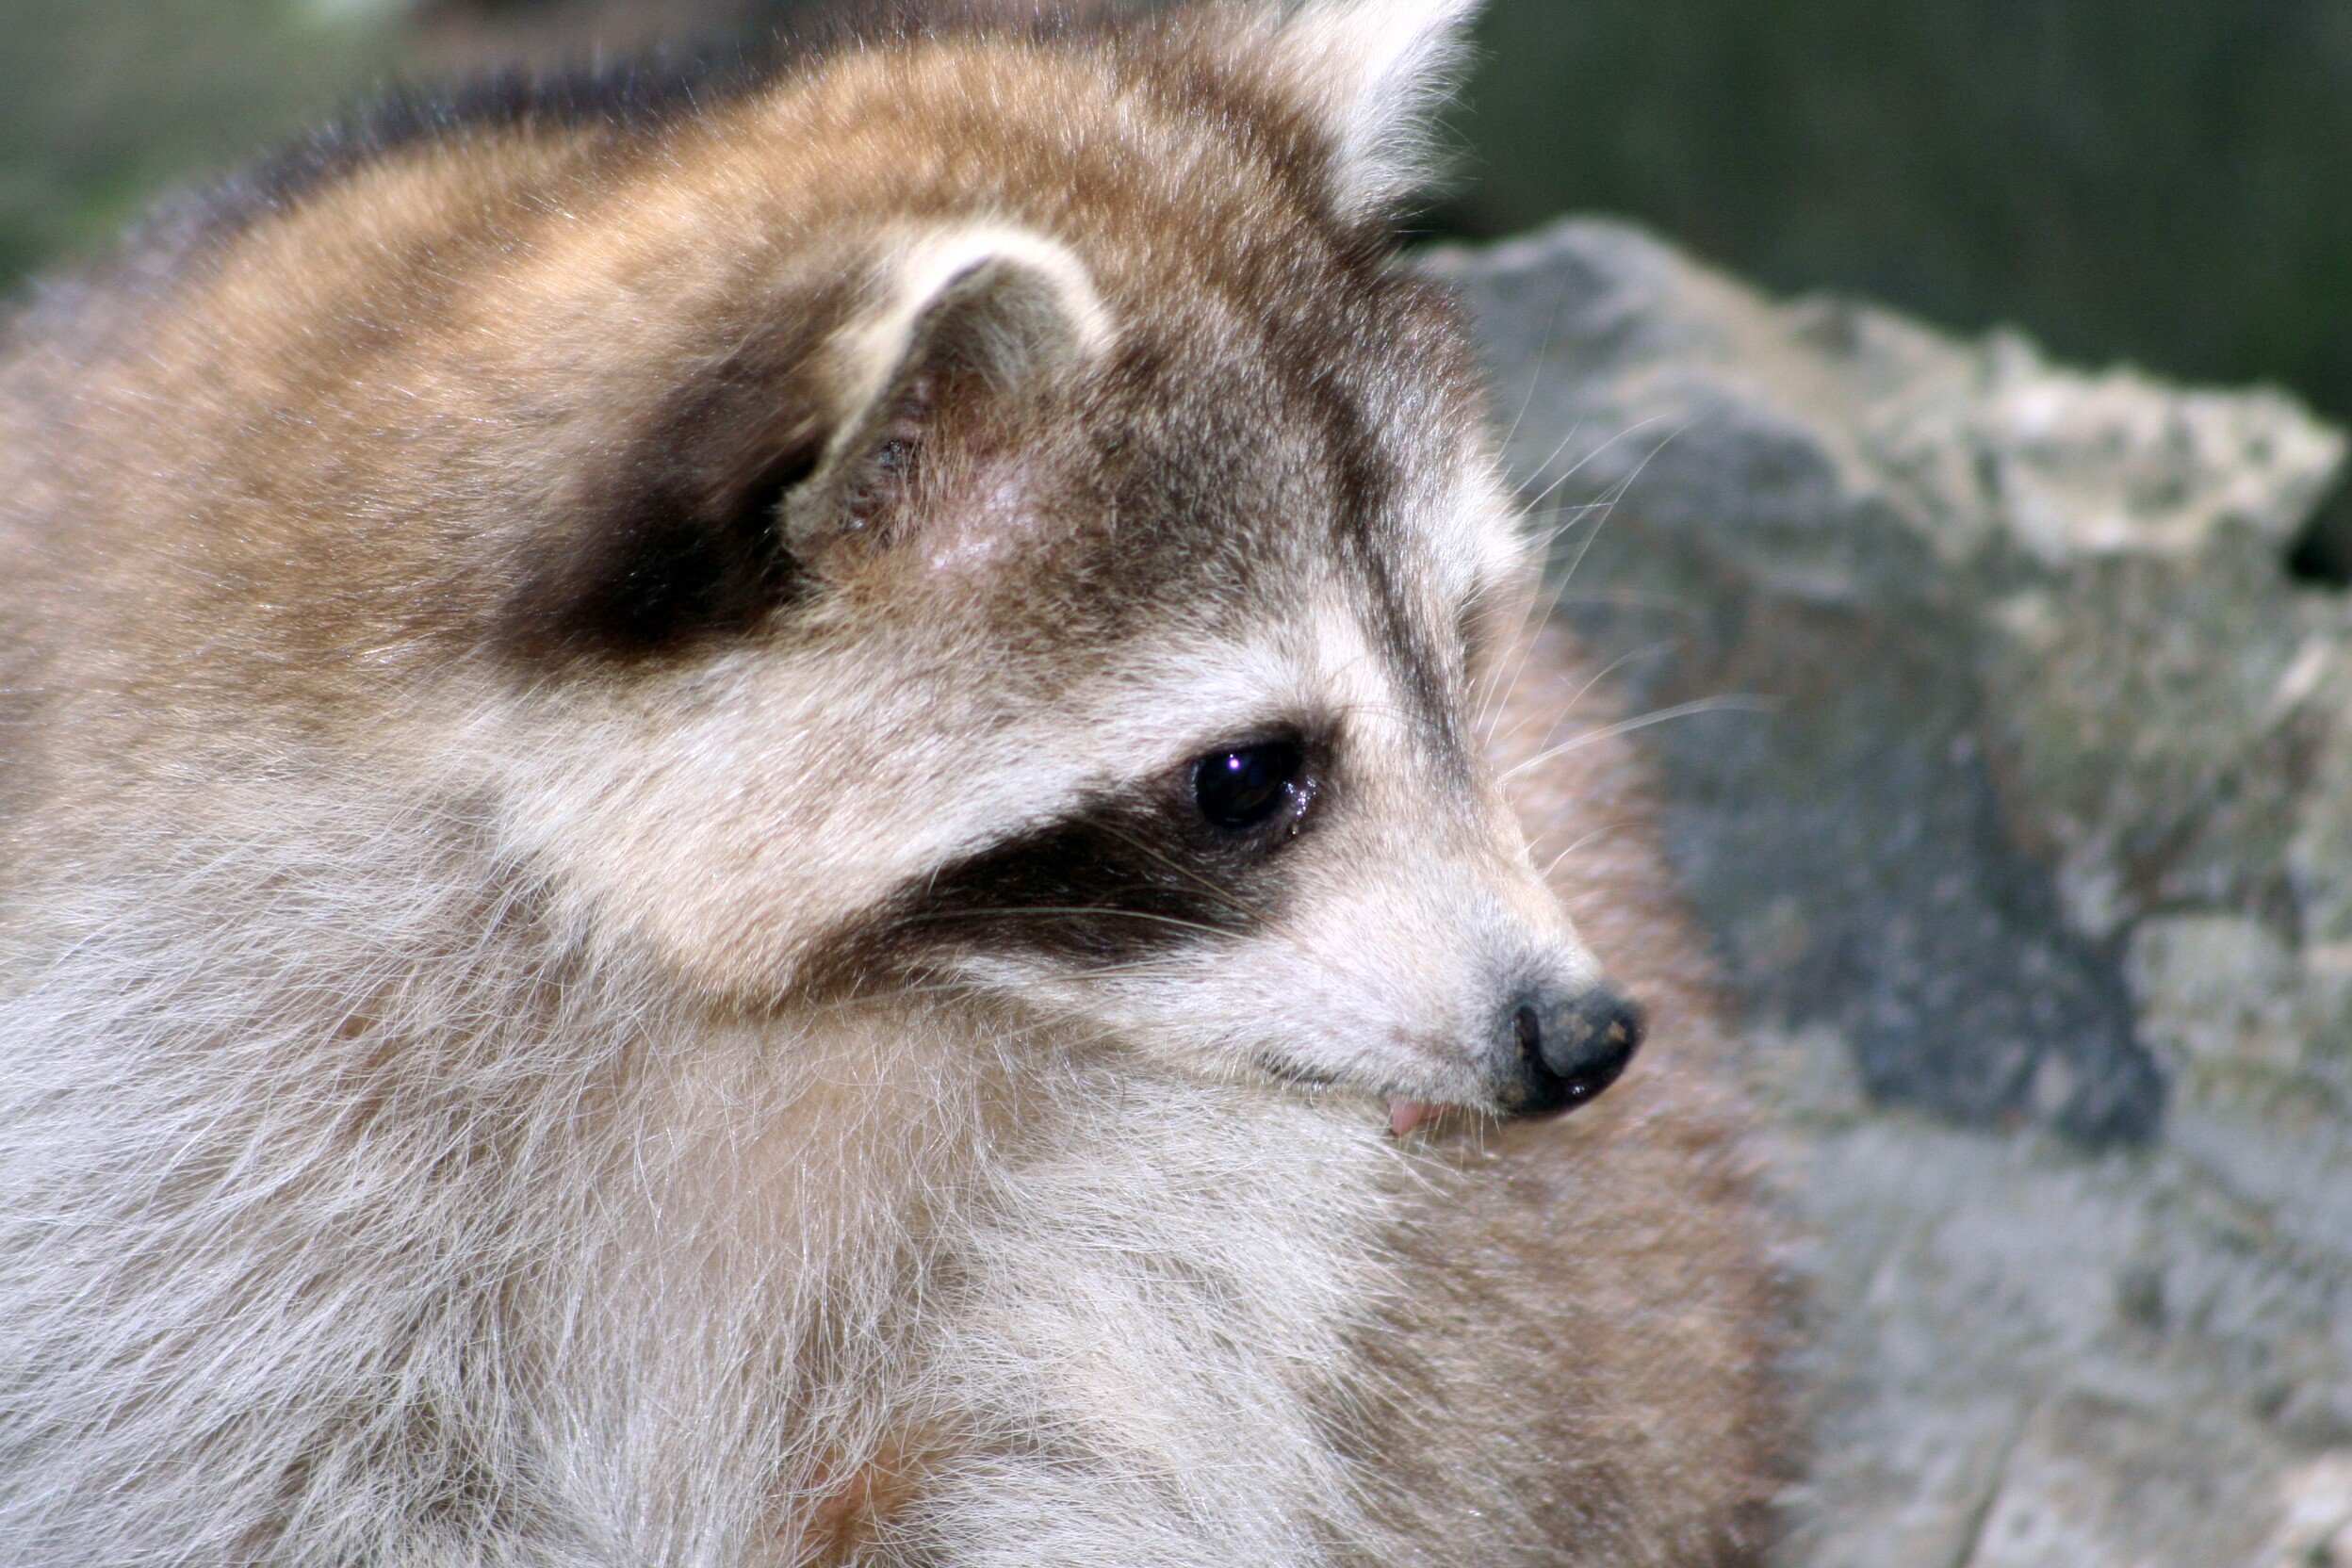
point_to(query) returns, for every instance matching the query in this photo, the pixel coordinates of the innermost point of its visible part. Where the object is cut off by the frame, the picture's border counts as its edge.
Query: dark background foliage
(2162, 181)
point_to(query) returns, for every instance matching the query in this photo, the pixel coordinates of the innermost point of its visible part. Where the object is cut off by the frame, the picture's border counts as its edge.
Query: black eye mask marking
(1114, 882)
(1119, 879)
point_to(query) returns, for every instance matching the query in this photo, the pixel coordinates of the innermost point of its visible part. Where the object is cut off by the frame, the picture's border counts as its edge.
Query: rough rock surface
(2014, 776)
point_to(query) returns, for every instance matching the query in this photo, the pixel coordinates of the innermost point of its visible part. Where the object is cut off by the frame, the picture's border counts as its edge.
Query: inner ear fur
(986, 312)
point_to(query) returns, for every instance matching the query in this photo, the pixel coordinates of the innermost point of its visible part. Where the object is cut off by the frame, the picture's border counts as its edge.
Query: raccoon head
(981, 520)
(1070, 589)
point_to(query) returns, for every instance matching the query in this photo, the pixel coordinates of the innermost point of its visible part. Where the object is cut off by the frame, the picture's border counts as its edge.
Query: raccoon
(789, 823)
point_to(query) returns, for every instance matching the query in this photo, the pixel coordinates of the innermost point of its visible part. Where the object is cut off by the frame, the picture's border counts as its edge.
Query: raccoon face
(1111, 662)
(1331, 894)
(914, 548)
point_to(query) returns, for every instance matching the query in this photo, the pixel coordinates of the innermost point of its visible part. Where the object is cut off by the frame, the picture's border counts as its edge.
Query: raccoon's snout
(1569, 1048)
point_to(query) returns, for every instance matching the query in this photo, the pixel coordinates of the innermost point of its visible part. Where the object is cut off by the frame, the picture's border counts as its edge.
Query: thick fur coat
(608, 950)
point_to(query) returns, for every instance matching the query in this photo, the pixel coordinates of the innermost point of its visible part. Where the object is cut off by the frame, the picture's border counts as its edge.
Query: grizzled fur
(605, 953)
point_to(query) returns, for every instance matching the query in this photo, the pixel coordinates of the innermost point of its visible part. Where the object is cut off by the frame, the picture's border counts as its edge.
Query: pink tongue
(1405, 1114)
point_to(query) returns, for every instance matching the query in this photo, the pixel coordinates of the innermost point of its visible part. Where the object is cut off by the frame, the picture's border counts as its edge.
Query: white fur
(242, 1239)
(1039, 284)
(1376, 71)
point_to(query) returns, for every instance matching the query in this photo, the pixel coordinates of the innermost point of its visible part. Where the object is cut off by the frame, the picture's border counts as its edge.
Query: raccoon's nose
(1569, 1048)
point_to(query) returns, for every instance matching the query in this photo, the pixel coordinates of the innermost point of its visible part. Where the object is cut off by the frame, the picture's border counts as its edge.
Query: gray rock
(1960, 663)
(2013, 775)
(2032, 1354)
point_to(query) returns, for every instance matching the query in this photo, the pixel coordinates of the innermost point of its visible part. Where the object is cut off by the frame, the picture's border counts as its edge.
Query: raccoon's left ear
(1374, 73)
(986, 312)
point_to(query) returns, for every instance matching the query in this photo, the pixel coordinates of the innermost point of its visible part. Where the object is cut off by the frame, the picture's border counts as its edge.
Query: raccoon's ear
(1373, 73)
(986, 315)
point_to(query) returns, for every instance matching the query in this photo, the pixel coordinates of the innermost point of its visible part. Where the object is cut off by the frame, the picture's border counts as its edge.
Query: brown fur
(341, 509)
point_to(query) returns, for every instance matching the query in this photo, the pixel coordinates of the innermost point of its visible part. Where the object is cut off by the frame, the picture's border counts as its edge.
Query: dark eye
(1246, 786)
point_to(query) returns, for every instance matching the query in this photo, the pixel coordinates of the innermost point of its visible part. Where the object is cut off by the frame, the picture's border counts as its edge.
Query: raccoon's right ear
(976, 316)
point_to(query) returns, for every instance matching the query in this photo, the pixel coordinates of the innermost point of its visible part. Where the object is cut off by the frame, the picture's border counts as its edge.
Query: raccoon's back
(23, 521)
(38, 547)
(109, 521)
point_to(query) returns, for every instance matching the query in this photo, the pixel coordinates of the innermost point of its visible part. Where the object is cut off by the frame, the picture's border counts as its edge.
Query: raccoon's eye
(1246, 786)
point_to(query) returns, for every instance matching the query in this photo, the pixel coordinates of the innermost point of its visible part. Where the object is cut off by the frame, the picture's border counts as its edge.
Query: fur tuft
(1375, 73)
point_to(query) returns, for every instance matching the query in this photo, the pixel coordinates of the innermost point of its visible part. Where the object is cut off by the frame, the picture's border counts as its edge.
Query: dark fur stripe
(1117, 880)
(637, 96)
(682, 536)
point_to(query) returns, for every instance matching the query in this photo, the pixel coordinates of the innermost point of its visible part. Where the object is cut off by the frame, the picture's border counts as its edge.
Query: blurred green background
(2161, 180)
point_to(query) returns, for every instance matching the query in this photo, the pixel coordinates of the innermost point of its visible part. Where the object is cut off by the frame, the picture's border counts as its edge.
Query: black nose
(1570, 1046)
